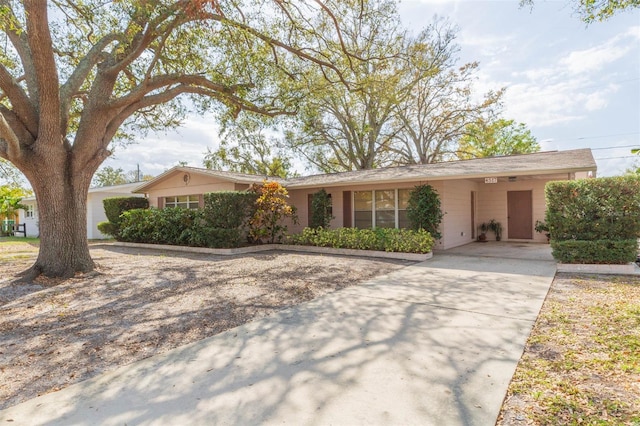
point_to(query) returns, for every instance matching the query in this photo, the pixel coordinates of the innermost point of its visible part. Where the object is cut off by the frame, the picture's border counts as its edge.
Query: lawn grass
(10, 240)
(581, 365)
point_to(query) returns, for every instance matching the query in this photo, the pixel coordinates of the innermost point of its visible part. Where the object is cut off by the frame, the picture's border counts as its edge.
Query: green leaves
(381, 239)
(590, 215)
(423, 210)
(499, 137)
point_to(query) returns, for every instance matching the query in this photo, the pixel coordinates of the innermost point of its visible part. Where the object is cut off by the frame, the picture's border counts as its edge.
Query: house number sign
(491, 180)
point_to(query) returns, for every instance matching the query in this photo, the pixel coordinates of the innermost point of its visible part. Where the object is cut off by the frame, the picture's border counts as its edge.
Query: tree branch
(19, 41)
(71, 87)
(20, 102)
(13, 144)
(39, 38)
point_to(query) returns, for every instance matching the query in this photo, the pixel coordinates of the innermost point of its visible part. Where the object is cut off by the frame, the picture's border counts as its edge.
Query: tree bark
(62, 215)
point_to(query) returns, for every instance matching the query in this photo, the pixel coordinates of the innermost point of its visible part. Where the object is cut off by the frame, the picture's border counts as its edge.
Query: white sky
(573, 85)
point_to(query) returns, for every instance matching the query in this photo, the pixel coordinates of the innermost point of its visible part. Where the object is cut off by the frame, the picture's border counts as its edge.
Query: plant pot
(482, 238)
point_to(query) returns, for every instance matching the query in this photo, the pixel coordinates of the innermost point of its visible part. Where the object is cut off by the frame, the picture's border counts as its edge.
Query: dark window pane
(385, 219)
(403, 221)
(363, 220)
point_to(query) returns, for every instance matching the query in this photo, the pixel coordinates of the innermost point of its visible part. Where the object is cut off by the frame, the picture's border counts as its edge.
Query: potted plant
(541, 226)
(496, 228)
(482, 235)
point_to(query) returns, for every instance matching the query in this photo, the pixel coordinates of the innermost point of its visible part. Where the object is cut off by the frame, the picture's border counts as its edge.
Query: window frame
(373, 205)
(171, 202)
(30, 212)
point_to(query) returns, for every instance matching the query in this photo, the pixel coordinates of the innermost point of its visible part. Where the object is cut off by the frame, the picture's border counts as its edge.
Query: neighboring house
(509, 189)
(95, 209)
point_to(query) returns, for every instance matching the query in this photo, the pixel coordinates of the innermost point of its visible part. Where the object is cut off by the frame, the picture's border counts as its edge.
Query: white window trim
(373, 206)
(174, 203)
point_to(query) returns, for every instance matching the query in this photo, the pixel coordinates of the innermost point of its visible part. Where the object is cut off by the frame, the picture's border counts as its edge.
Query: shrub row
(596, 251)
(222, 223)
(594, 220)
(182, 227)
(382, 239)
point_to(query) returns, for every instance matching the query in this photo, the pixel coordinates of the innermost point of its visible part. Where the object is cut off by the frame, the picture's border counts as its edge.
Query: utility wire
(590, 137)
(615, 158)
(617, 147)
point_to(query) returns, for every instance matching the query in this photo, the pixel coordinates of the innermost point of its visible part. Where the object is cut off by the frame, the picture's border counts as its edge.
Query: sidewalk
(432, 344)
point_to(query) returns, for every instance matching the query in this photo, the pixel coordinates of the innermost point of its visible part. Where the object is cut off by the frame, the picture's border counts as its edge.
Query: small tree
(321, 209)
(271, 209)
(423, 210)
(10, 198)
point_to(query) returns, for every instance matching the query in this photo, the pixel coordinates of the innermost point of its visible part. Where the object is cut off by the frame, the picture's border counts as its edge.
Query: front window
(362, 209)
(386, 208)
(403, 202)
(183, 202)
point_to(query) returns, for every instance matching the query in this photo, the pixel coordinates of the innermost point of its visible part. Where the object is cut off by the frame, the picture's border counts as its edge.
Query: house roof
(116, 189)
(228, 176)
(540, 163)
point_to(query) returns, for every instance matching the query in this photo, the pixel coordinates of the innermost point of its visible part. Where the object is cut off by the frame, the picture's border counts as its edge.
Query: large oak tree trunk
(62, 209)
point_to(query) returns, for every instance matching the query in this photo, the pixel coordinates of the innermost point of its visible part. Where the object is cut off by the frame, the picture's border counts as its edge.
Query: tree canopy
(109, 176)
(75, 76)
(596, 10)
(499, 137)
(409, 102)
(249, 145)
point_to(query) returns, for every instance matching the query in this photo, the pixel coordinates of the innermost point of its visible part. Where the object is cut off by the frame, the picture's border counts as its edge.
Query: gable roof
(539, 163)
(228, 176)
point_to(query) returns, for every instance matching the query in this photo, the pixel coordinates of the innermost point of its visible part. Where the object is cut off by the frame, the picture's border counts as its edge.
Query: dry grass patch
(581, 365)
(141, 303)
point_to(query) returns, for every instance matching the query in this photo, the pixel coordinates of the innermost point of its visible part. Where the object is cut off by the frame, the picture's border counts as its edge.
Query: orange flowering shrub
(271, 209)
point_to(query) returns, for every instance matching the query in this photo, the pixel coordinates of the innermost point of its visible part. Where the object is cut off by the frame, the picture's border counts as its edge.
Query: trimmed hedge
(115, 206)
(597, 251)
(382, 239)
(594, 220)
(177, 226)
(229, 209)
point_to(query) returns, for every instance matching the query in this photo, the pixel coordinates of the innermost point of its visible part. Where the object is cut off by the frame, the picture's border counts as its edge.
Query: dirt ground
(141, 303)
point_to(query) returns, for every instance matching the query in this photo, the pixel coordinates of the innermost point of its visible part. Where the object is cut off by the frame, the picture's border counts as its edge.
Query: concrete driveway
(435, 343)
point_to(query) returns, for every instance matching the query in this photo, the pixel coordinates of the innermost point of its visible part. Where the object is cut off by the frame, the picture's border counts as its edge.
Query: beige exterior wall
(492, 204)
(197, 184)
(456, 226)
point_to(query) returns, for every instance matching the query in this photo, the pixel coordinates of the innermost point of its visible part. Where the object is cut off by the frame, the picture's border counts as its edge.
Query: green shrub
(382, 239)
(115, 206)
(592, 215)
(108, 228)
(321, 210)
(423, 210)
(229, 209)
(183, 227)
(596, 251)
